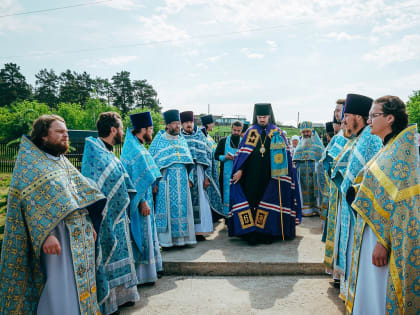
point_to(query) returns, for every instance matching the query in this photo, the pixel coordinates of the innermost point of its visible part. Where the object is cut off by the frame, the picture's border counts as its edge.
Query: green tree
(122, 91)
(13, 86)
(16, 119)
(102, 90)
(157, 118)
(75, 87)
(413, 109)
(47, 87)
(145, 95)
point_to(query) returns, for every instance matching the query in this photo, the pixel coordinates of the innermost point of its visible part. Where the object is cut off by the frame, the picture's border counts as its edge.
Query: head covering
(357, 104)
(171, 115)
(263, 109)
(208, 119)
(305, 125)
(141, 120)
(186, 116)
(245, 126)
(329, 127)
(295, 137)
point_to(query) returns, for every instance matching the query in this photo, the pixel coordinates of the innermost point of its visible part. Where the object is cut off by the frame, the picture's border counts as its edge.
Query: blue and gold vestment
(173, 199)
(144, 174)
(42, 193)
(388, 200)
(306, 157)
(202, 153)
(115, 261)
(365, 147)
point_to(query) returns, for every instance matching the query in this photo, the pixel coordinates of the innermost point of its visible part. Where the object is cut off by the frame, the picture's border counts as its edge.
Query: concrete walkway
(178, 295)
(221, 255)
(225, 275)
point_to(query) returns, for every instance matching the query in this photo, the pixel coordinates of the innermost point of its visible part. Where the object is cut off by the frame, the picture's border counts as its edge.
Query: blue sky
(298, 55)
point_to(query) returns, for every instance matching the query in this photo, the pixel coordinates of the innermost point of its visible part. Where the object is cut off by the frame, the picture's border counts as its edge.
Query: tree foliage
(71, 87)
(46, 87)
(413, 109)
(13, 85)
(16, 119)
(157, 118)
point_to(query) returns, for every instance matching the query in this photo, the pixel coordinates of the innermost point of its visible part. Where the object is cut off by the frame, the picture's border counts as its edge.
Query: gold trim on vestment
(396, 280)
(261, 218)
(246, 219)
(372, 226)
(252, 138)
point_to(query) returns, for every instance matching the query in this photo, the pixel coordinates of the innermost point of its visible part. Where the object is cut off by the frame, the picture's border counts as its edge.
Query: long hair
(41, 126)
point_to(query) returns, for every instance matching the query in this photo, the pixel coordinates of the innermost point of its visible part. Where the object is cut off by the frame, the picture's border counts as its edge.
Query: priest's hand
(145, 209)
(155, 189)
(206, 183)
(190, 183)
(229, 156)
(237, 176)
(379, 255)
(51, 246)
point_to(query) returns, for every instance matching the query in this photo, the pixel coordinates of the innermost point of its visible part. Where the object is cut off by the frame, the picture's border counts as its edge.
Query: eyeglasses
(374, 115)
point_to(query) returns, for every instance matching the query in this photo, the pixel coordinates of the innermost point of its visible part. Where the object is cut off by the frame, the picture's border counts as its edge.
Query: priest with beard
(173, 208)
(306, 157)
(53, 213)
(118, 280)
(264, 198)
(201, 180)
(225, 153)
(144, 174)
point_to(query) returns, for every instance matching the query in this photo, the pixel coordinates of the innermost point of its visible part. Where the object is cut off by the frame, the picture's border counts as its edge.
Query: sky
(225, 56)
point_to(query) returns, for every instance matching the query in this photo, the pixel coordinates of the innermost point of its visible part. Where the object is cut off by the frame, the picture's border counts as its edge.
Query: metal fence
(8, 154)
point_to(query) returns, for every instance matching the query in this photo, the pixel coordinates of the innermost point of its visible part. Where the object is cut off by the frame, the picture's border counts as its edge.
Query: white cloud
(408, 48)
(251, 55)
(272, 44)
(14, 23)
(156, 29)
(118, 60)
(214, 59)
(342, 36)
(123, 4)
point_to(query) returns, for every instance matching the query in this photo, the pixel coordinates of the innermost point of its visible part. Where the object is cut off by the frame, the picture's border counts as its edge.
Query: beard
(188, 131)
(148, 138)
(55, 149)
(173, 132)
(118, 138)
(306, 142)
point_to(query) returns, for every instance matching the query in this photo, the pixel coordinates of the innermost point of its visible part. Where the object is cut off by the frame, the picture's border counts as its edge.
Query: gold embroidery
(252, 138)
(246, 219)
(278, 158)
(261, 218)
(84, 296)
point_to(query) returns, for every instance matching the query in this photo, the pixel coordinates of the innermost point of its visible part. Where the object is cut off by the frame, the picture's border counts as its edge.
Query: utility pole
(208, 108)
(297, 126)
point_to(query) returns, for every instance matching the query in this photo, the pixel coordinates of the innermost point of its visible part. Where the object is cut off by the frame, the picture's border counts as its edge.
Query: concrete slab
(239, 295)
(223, 255)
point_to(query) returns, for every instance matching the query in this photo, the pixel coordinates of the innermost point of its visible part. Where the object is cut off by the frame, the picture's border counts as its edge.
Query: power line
(56, 9)
(155, 42)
